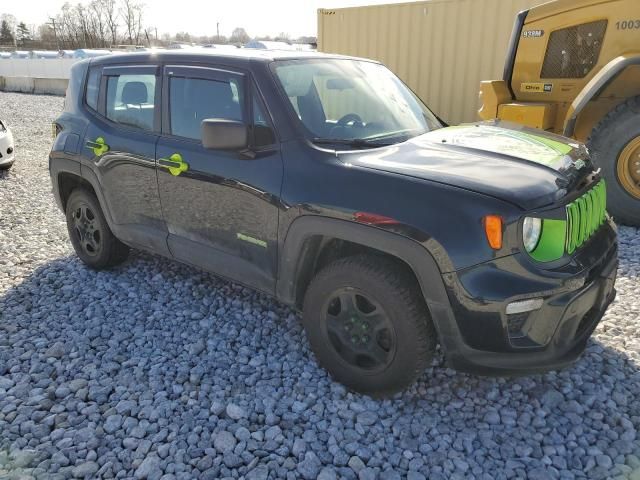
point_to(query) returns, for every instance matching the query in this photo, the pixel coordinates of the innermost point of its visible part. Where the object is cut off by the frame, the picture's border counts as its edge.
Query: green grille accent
(585, 215)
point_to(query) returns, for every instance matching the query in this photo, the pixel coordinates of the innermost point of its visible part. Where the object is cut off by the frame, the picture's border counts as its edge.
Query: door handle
(175, 164)
(99, 147)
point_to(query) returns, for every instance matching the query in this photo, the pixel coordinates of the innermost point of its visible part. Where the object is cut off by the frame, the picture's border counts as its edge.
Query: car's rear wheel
(90, 234)
(368, 324)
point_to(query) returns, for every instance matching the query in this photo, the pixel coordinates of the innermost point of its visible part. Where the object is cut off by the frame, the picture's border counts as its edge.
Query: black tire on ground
(608, 139)
(370, 279)
(90, 234)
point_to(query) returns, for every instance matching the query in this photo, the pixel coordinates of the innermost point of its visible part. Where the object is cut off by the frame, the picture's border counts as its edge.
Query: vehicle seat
(137, 110)
(213, 99)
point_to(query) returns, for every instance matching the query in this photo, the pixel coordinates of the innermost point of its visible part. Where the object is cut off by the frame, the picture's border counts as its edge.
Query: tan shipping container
(441, 48)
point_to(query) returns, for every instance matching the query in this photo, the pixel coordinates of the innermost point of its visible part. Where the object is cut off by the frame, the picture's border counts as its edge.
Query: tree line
(106, 24)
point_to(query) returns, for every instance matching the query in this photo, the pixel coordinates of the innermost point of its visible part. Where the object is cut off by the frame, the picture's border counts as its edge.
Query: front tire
(368, 324)
(615, 148)
(90, 234)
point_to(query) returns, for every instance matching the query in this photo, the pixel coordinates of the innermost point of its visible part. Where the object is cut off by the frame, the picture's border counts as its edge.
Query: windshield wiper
(352, 142)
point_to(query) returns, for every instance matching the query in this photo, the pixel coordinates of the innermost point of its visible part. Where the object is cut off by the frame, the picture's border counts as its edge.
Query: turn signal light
(493, 230)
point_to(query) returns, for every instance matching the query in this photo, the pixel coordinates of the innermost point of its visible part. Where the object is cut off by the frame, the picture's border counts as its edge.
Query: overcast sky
(199, 17)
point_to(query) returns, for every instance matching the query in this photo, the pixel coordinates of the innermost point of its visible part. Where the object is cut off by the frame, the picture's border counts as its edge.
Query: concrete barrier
(48, 76)
(37, 67)
(50, 86)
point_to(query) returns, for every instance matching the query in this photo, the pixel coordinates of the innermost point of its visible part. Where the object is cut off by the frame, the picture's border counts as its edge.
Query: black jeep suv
(325, 182)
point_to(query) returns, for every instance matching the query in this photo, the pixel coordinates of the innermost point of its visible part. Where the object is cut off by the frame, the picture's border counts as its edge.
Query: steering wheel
(350, 118)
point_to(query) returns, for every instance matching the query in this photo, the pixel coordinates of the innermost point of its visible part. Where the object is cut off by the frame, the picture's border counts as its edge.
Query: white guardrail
(49, 76)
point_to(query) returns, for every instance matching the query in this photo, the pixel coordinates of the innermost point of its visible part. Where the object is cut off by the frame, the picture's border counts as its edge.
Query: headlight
(531, 229)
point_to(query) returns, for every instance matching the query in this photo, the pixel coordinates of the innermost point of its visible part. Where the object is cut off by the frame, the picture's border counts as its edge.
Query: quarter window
(93, 89)
(192, 100)
(130, 100)
(262, 132)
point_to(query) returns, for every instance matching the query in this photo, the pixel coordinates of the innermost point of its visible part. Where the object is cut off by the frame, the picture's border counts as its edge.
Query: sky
(199, 17)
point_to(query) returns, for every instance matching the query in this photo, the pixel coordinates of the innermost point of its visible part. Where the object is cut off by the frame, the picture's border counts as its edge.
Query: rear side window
(192, 100)
(130, 100)
(93, 89)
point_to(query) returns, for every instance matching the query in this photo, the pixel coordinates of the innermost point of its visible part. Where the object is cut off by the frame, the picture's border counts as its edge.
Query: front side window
(340, 99)
(192, 100)
(130, 100)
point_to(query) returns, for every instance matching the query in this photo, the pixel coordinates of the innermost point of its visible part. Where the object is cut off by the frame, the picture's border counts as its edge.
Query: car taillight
(55, 129)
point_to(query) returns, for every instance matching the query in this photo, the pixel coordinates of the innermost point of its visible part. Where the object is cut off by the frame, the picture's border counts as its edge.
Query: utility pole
(218, 32)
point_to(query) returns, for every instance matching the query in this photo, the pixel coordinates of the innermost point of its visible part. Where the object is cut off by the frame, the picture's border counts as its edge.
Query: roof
(242, 55)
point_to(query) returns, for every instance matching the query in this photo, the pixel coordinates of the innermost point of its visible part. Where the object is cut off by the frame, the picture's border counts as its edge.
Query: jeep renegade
(325, 182)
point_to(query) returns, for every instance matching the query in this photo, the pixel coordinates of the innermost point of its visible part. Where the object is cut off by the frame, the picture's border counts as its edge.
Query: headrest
(134, 93)
(296, 82)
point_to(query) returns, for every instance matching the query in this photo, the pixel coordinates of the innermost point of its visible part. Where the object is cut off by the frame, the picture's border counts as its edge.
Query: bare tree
(98, 23)
(239, 35)
(131, 13)
(110, 12)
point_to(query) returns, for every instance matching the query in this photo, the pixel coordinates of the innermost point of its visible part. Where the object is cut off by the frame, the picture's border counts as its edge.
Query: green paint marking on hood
(527, 146)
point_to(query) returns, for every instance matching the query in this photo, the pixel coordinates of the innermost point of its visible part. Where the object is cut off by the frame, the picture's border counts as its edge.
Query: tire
(609, 141)
(90, 234)
(405, 347)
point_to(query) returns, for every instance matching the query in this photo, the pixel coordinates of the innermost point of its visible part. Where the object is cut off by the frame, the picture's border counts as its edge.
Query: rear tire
(368, 324)
(90, 234)
(615, 148)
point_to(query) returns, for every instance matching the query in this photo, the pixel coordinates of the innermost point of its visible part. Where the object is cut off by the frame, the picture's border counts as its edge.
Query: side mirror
(220, 134)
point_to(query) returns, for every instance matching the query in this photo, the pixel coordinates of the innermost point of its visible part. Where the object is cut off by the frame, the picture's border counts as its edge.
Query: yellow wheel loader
(573, 67)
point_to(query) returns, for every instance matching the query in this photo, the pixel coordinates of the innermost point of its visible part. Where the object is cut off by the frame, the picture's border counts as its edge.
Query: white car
(7, 155)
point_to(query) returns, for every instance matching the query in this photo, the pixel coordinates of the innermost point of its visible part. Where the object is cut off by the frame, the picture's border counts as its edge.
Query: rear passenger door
(119, 147)
(222, 209)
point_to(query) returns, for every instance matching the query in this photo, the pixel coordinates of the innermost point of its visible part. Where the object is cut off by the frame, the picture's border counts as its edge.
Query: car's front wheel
(368, 324)
(90, 234)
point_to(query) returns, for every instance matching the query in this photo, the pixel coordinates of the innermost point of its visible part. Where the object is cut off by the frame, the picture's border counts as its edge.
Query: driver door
(220, 207)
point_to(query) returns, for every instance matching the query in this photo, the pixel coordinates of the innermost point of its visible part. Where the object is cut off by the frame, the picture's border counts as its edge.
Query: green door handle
(99, 147)
(174, 164)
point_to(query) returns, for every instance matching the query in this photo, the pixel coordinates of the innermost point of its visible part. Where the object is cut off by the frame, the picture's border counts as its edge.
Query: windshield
(351, 101)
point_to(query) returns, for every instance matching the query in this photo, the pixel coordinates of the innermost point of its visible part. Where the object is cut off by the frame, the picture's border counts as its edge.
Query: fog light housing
(523, 306)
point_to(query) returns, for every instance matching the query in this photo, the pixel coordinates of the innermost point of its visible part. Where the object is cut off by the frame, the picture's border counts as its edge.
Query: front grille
(573, 52)
(585, 215)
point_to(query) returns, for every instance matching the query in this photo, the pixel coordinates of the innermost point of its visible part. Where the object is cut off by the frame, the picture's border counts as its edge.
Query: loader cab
(571, 65)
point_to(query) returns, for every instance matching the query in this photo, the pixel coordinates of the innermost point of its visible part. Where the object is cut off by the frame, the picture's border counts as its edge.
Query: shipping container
(441, 48)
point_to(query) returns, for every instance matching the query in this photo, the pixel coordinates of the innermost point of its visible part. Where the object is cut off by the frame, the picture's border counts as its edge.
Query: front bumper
(481, 338)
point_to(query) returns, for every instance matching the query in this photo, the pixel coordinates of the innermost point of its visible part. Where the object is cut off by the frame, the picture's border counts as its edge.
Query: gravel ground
(157, 370)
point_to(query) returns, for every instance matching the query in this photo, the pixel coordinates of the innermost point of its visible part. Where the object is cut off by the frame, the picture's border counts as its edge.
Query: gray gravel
(157, 370)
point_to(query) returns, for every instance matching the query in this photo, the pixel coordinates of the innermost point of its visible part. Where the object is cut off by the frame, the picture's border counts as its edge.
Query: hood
(526, 167)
